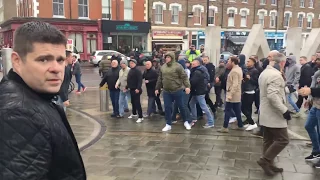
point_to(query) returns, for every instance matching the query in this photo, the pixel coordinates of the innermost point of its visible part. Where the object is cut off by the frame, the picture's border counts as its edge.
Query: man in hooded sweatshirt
(174, 82)
(292, 74)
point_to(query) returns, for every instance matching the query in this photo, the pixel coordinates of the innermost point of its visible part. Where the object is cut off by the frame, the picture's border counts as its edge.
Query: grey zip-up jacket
(315, 84)
(76, 69)
(292, 72)
(123, 76)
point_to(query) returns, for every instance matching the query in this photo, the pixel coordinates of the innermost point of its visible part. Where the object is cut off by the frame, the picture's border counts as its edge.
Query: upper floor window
(175, 14)
(158, 14)
(106, 9)
(311, 3)
(261, 18)
(231, 15)
(300, 20)
(273, 2)
(288, 2)
(244, 16)
(211, 16)
(310, 17)
(263, 2)
(245, 1)
(273, 19)
(287, 16)
(302, 3)
(128, 10)
(58, 7)
(83, 8)
(197, 16)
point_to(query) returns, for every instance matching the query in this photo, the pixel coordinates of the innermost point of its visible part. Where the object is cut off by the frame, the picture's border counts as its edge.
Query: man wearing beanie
(121, 84)
(134, 83)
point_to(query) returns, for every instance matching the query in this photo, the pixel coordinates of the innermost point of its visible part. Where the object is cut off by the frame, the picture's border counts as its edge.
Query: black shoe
(256, 112)
(113, 115)
(314, 157)
(126, 110)
(245, 122)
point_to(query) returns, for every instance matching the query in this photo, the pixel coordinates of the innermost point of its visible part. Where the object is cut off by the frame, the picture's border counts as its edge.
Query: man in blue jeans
(199, 89)
(173, 79)
(233, 94)
(77, 73)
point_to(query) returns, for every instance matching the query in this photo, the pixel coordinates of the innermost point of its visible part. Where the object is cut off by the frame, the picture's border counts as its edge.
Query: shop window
(197, 16)
(244, 15)
(58, 7)
(302, 3)
(286, 22)
(125, 43)
(273, 19)
(77, 41)
(91, 43)
(106, 9)
(311, 3)
(231, 15)
(175, 15)
(300, 20)
(288, 2)
(138, 43)
(309, 21)
(158, 14)
(128, 10)
(211, 18)
(261, 18)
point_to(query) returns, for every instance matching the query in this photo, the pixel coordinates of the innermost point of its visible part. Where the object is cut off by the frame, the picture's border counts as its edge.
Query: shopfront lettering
(62, 27)
(77, 28)
(168, 33)
(127, 27)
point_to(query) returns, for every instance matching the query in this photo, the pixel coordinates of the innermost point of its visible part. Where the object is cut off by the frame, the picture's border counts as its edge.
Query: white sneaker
(232, 120)
(246, 126)
(132, 116)
(187, 125)
(166, 128)
(251, 127)
(139, 120)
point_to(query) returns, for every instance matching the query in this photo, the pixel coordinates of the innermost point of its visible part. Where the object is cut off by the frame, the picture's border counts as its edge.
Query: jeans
(136, 104)
(210, 103)
(202, 103)
(236, 108)
(123, 102)
(158, 102)
(176, 110)
(114, 96)
(151, 105)
(169, 98)
(246, 106)
(78, 80)
(293, 104)
(313, 122)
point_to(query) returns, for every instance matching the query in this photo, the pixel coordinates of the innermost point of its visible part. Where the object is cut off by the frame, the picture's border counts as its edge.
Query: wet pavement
(141, 151)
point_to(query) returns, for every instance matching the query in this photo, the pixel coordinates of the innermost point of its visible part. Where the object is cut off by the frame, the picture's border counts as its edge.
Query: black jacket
(111, 77)
(36, 140)
(198, 85)
(306, 73)
(223, 78)
(64, 90)
(212, 71)
(313, 66)
(315, 92)
(252, 83)
(152, 76)
(134, 79)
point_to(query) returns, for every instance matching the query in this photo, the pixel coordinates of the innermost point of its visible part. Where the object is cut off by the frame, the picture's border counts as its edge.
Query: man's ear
(16, 61)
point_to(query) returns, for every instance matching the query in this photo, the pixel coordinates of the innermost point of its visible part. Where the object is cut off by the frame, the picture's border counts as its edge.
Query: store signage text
(127, 27)
(168, 33)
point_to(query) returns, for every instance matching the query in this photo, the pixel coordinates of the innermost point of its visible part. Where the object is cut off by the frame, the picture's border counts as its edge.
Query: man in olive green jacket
(104, 65)
(175, 84)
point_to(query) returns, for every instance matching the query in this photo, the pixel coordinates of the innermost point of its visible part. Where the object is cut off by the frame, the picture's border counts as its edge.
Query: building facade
(236, 17)
(6, 10)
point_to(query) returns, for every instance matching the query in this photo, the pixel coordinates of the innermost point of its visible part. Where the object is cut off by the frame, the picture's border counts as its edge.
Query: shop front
(199, 39)
(85, 33)
(123, 36)
(168, 40)
(275, 40)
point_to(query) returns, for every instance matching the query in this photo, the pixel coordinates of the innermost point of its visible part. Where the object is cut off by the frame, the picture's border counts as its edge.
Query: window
(243, 19)
(273, 19)
(77, 41)
(300, 20)
(197, 16)
(273, 2)
(232, 0)
(175, 14)
(302, 3)
(288, 2)
(83, 8)
(106, 9)
(58, 7)
(211, 17)
(261, 18)
(311, 3)
(286, 20)
(128, 9)
(231, 14)
(244, 1)
(91, 43)
(309, 21)
(262, 2)
(158, 14)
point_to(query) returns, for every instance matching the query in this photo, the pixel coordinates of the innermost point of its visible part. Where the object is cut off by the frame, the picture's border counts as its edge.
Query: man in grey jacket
(121, 84)
(77, 73)
(292, 72)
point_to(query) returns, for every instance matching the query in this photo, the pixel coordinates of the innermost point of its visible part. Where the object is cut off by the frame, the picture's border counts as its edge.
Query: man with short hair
(150, 76)
(121, 84)
(76, 71)
(63, 99)
(274, 113)
(306, 73)
(36, 140)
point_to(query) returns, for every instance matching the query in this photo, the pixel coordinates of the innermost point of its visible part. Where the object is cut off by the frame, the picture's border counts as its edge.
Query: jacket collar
(13, 76)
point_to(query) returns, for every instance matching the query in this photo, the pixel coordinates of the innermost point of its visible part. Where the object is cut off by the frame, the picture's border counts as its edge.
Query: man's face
(123, 66)
(132, 64)
(43, 68)
(168, 59)
(205, 60)
(249, 63)
(114, 63)
(303, 61)
(282, 64)
(270, 56)
(69, 59)
(195, 64)
(230, 63)
(317, 61)
(192, 48)
(188, 64)
(148, 65)
(313, 58)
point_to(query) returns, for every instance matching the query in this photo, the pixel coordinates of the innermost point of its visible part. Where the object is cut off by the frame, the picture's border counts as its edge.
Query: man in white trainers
(174, 81)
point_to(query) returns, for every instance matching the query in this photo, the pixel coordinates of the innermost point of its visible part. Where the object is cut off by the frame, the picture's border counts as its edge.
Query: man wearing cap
(121, 84)
(134, 83)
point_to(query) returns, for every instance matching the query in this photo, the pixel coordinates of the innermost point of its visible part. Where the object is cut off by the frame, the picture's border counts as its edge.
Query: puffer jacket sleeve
(25, 143)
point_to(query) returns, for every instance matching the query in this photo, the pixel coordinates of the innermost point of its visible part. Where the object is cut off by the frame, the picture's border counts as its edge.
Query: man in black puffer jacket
(36, 140)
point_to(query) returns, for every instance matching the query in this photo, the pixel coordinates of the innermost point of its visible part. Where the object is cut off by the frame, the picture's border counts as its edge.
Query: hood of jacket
(182, 62)
(173, 58)
(242, 59)
(291, 60)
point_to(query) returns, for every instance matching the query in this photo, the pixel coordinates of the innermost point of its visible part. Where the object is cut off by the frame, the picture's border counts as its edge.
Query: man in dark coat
(36, 140)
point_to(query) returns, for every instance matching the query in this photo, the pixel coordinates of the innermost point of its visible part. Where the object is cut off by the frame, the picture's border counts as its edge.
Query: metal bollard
(6, 60)
(104, 98)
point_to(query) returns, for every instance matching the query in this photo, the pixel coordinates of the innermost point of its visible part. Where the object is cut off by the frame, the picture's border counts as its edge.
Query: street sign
(69, 46)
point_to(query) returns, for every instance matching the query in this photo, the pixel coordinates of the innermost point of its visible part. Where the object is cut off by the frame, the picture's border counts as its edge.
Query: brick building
(184, 21)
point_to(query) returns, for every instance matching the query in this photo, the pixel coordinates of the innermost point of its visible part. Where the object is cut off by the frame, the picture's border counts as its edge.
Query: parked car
(226, 55)
(145, 56)
(96, 56)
